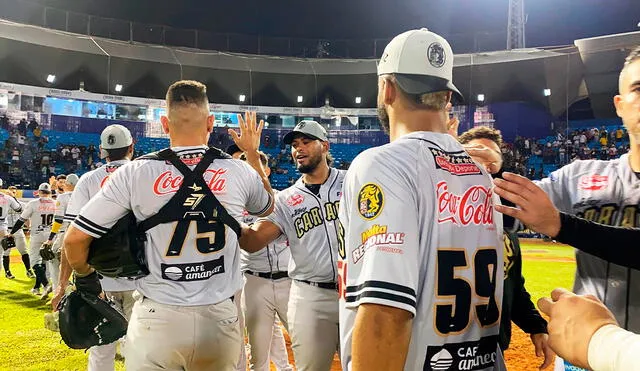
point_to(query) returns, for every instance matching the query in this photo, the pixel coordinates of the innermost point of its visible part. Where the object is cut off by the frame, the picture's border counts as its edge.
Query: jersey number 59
(453, 310)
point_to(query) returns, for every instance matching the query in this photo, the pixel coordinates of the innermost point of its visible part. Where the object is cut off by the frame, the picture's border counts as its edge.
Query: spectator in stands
(33, 124)
(22, 127)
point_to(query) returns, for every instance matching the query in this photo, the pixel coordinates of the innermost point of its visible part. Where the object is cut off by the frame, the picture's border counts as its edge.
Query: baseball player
(421, 260)
(19, 237)
(306, 215)
(60, 224)
(184, 316)
(9, 203)
(116, 146)
(266, 297)
(40, 214)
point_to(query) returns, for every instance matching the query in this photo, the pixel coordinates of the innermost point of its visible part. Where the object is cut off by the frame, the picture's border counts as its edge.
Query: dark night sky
(550, 22)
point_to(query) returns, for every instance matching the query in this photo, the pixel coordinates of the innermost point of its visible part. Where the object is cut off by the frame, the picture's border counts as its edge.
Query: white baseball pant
(242, 360)
(313, 326)
(21, 243)
(102, 358)
(171, 337)
(35, 241)
(263, 299)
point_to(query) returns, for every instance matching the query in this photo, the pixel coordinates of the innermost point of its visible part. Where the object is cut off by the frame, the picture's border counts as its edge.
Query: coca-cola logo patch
(474, 206)
(593, 182)
(168, 182)
(295, 200)
(457, 164)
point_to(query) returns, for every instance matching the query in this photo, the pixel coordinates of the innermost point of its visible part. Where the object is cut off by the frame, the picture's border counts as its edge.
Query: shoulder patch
(370, 201)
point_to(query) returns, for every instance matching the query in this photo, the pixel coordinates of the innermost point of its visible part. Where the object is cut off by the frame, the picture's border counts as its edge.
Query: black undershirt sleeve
(614, 244)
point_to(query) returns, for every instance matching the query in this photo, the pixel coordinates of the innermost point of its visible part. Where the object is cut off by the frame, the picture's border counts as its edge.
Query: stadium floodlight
(358, 100)
(480, 97)
(51, 79)
(300, 98)
(547, 92)
(118, 88)
(242, 97)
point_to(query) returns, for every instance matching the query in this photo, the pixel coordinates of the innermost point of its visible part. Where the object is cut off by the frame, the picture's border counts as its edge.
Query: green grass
(24, 342)
(26, 345)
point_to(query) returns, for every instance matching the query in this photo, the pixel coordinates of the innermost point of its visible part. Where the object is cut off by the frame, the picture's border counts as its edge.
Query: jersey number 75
(210, 237)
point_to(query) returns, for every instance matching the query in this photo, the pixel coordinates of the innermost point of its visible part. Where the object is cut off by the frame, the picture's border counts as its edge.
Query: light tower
(515, 31)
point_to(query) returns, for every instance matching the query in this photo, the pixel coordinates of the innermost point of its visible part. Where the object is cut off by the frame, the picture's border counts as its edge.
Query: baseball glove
(86, 320)
(8, 242)
(46, 251)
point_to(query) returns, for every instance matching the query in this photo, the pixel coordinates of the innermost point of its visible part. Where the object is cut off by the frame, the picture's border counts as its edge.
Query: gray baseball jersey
(310, 224)
(273, 258)
(62, 203)
(88, 186)
(198, 264)
(606, 192)
(8, 204)
(421, 234)
(40, 214)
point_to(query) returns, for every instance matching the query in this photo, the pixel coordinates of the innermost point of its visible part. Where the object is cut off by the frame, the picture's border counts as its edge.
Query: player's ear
(164, 120)
(618, 102)
(389, 91)
(210, 122)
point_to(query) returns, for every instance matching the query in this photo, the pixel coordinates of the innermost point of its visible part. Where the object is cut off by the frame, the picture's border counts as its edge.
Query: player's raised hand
(535, 209)
(573, 320)
(248, 140)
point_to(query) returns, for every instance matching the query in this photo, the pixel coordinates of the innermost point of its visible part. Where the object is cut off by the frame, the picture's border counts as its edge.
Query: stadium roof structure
(28, 54)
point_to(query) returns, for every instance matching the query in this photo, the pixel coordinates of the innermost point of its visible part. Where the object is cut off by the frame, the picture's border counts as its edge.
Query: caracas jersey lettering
(315, 217)
(607, 214)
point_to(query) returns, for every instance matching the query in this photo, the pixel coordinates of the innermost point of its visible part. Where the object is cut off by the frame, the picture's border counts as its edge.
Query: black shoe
(9, 275)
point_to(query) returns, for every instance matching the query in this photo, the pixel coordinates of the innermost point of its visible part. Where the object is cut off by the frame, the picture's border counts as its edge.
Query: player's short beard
(383, 116)
(314, 161)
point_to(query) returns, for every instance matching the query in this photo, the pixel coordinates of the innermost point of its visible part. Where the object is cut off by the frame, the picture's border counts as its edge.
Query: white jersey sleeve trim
(89, 227)
(264, 209)
(380, 292)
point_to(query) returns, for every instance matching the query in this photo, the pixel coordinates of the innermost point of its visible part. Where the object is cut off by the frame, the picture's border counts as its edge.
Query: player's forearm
(65, 270)
(55, 228)
(253, 159)
(251, 240)
(381, 337)
(16, 227)
(76, 247)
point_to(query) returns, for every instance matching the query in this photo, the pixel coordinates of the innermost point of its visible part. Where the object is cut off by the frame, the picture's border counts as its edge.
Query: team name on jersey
(607, 214)
(167, 182)
(474, 206)
(315, 217)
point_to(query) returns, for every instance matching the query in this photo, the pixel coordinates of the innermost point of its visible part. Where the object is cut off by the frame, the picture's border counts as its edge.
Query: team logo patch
(436, 55)
(456, 164)
(593, 182)
(295, 200)
(111, 139)
(474, 206)
(370, 201)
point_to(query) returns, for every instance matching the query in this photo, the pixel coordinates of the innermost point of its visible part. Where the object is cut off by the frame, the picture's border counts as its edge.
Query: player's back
(8, 204)
(40, 213)
(190, 263)
(426, 241)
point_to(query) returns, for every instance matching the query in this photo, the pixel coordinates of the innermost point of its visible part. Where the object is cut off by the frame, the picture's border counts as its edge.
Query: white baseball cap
(72, 179)
(114, 137)
(421, 61)
(307, 128)
(45, 187)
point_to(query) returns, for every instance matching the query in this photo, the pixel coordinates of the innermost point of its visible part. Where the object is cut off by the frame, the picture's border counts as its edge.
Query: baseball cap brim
(423, 84)
(290, 136)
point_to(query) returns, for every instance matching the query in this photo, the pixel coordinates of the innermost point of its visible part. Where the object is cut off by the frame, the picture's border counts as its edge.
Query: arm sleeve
(258, 200)
(597, 239)
(524, 313)
(612, 348)
(15, 205)
(278, 216)
(79, 198)
(382, 265)
(559, 185)
(109, 205)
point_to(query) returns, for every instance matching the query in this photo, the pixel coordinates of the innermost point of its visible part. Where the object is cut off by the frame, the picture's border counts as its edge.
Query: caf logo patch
(436, 55)
(370, 201)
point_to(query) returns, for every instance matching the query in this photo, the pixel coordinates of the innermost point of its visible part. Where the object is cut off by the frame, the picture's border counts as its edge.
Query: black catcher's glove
(8, 242)
(46, 251)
